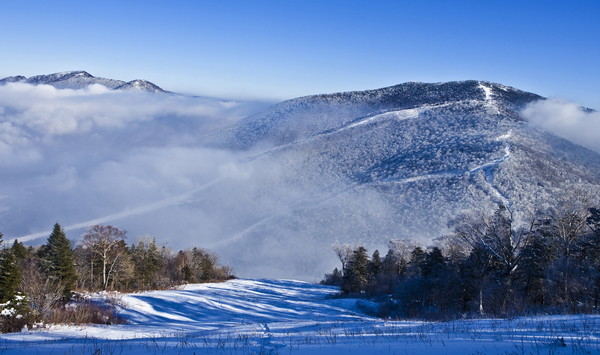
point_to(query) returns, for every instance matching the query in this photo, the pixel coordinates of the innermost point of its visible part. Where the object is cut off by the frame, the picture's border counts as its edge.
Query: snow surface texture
(292, 317)
(271, 191)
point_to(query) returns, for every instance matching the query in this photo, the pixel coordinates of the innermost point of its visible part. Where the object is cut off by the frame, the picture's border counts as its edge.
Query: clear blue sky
(283, 49)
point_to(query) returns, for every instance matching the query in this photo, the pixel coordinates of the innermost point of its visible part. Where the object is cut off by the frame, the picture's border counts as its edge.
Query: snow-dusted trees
(489, 265)
(14, 308)
(496, 235)
(497, 250)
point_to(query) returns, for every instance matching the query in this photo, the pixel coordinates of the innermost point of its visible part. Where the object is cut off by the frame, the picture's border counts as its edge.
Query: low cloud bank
(79, 155)
(34, 119)
(137, 161)
(566, 119)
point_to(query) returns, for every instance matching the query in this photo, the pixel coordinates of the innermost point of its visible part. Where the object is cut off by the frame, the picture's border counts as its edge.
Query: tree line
(37, 282)
(488, 265)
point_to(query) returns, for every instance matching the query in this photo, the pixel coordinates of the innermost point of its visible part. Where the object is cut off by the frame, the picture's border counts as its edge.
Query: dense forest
(38, 283)
(485, 267)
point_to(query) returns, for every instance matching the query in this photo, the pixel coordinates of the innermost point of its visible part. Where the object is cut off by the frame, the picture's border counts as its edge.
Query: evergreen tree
(592, 256)
(203, 264)
(186, 273)
(19, 250)
(147, 262)
(59, 260)
(9, 275)
(356, 274)
(531, 276)
(375, 265)
(434, 264)
(417, 262)
(333, 279)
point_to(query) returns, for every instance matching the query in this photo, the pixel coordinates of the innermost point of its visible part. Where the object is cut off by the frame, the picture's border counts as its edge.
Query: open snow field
(292, 317)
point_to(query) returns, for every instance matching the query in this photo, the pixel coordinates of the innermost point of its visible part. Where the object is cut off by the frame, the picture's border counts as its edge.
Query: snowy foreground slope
(281, 317)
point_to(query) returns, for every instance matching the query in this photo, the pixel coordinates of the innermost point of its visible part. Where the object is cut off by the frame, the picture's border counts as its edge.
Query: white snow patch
(489, 98)
(505, 136)
(399, 115)
(489, 175)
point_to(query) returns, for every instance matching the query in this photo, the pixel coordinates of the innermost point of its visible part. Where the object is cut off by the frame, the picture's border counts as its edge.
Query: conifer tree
(9, 275)
(147, 262)
(435, 263)
(375, 265)
(19, 250)
(357, 271)
(60, 260)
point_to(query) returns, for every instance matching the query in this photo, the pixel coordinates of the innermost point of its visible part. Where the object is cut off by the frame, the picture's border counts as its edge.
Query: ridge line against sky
(280, 50)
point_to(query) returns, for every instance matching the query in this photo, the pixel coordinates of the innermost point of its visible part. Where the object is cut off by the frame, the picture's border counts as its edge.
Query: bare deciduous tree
(107, 244)
(343, 252)
(44, 294)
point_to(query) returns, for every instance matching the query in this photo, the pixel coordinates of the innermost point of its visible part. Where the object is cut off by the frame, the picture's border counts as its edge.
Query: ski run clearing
(293, 317)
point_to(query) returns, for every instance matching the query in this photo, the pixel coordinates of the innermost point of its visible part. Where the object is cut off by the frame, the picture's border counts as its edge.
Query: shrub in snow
(15, 314)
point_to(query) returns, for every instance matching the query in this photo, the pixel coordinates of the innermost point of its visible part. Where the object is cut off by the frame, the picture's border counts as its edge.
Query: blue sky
(283, 49)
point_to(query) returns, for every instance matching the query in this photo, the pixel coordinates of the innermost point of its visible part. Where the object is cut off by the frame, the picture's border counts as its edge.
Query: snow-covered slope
(401, 162)
(80, 80)
(284, 316)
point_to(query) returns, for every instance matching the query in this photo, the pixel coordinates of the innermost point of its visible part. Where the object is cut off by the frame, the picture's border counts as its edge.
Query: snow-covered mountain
(402, 161)
(271, 191)
(80, 80)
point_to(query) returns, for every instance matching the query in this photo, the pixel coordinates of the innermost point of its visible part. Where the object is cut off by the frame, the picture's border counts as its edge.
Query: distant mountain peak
(142, 85)
(80, 79)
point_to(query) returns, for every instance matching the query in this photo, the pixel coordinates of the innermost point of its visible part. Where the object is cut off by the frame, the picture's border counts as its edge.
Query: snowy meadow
(292, 317)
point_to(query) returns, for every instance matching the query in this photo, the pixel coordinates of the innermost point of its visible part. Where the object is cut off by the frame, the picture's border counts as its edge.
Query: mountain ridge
(80, 79)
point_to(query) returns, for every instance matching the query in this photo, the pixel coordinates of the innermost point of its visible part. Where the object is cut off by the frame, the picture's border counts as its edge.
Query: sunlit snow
(292, 317)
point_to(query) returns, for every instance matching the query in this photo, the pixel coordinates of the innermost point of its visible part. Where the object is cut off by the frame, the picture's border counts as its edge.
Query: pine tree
(434, 264)
(375, 265)
(19, 250)
(9, 275)
(147, 262)
(537, 256)
(357, 271)
(14, 306)
(60, 260)
(417, 262)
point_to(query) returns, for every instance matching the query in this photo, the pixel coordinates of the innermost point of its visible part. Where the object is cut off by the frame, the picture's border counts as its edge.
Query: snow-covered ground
(292, 317)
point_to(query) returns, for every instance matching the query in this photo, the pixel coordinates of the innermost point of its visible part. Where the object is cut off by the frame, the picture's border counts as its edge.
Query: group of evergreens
(486, 266)
(37, 282)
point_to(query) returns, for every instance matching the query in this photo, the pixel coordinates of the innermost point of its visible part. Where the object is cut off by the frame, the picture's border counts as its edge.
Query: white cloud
(136, 160)
(50, 112)
(74, 155)
(566, 119)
